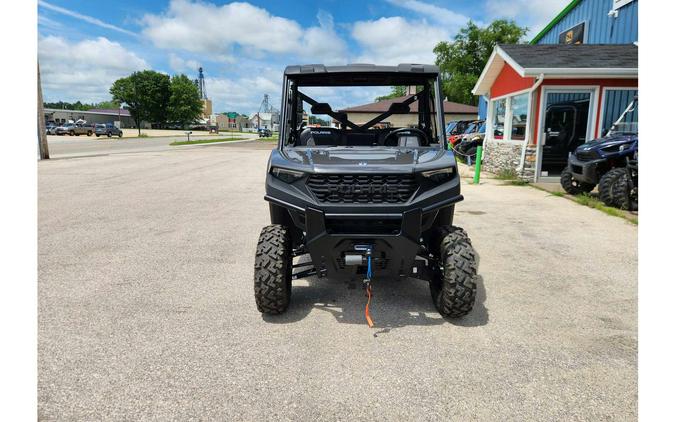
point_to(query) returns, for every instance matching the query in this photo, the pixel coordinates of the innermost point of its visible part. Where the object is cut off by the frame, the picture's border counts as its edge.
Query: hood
(609, 141)
(363, 160)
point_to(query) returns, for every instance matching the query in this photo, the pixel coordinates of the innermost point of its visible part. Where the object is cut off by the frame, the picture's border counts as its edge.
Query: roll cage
(429, 98)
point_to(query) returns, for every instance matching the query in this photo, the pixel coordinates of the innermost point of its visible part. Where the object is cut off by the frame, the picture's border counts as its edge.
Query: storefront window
(616, 101)
(519, 116)
(499, 119)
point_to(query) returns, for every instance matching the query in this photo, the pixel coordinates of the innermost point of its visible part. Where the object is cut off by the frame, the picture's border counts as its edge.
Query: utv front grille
(587, 155)
(362, 188)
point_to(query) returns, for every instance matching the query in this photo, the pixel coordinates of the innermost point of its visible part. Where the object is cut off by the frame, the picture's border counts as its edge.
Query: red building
(544, 100)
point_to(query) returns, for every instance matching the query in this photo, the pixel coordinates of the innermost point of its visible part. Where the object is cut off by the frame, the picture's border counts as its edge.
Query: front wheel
(573, 186)
(624, 193)
(453, 288)
(273, 270)
(119, 135)
(109, 134)
(606, 186)
(89, 133)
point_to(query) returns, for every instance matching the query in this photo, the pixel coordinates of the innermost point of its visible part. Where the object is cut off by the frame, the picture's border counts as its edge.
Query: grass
(204, 141)
(268, 139)
(506, 174)
(589, 201)
(143, 135)
(592, 202)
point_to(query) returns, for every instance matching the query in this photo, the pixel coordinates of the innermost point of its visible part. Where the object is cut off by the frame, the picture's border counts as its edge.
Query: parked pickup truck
(73, 129)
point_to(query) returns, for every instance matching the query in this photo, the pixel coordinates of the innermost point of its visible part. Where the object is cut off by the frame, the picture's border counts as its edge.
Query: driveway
(146, 307)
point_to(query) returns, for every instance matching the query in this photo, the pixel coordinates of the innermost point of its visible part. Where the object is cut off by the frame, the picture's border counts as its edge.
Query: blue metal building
(601, 21)
(592, 22)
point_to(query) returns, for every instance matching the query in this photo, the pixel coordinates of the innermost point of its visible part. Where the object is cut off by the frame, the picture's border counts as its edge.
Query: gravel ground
(146, 307)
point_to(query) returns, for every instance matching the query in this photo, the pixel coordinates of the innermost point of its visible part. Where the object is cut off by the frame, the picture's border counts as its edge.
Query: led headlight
(288, 176)
(439, 175)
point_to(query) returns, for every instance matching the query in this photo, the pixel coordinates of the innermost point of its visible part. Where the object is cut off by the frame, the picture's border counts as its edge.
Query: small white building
(265, 120)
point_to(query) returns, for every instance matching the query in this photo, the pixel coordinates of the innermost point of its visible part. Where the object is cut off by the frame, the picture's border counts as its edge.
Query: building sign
(574, 35)
(617, 4)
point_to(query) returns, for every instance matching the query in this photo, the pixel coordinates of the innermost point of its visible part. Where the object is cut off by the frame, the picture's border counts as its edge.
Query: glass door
(567, 124)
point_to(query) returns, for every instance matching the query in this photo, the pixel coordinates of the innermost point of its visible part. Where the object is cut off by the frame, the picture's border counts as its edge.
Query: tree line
(158, 98)
(149, 96)
(80, 106)
(462, 60)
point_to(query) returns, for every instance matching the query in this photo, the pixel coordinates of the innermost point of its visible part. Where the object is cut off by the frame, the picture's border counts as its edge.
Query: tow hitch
(364, 254)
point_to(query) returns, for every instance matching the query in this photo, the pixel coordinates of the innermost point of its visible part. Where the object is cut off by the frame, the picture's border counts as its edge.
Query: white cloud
(396, 40)
(322, 44)
(83, 70)
(535, 14)
(201, 27)
(433, 12)
(244, 94)
(178, 64)
(85, 18)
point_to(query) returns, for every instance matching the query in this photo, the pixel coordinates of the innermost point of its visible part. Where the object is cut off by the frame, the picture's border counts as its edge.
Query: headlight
(288, 176)
(439, 175)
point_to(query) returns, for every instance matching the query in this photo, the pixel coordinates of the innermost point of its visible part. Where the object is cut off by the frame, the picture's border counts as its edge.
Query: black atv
(601, 162)
(368, 200)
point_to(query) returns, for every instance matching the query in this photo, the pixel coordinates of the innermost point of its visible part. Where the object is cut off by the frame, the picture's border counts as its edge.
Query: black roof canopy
(361, 74)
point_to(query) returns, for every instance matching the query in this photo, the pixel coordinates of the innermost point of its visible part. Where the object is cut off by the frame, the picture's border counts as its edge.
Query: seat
(320, 136)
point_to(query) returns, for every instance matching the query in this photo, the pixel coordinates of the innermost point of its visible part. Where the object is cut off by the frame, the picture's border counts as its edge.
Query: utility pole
(43, 147)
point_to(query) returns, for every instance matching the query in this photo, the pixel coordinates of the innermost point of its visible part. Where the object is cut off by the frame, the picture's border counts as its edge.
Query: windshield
(354, 115)
(627, 123)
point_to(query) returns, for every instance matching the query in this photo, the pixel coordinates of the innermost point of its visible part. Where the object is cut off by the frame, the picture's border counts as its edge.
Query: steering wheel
(407, 129)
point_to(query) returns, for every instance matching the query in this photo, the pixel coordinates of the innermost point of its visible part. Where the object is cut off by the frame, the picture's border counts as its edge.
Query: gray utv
(372, 198)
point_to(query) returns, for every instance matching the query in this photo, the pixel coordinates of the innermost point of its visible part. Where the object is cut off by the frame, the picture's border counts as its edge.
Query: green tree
(185, 104)
(107, 105)
(396, 91)
(462, 60)
(146, 95)
(78, 105)
(313, 120)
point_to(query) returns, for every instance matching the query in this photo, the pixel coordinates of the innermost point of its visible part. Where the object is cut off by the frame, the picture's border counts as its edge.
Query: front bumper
(392, 231)
(585, 171)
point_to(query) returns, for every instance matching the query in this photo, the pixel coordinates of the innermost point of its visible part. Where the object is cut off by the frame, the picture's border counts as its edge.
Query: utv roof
(361, 74)
(428, 69)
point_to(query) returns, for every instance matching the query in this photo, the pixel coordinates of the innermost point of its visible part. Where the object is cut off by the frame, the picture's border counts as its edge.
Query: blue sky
(243, 46)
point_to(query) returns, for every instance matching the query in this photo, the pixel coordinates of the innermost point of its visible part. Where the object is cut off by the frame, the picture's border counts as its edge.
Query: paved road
(146, 307)
(84, 146)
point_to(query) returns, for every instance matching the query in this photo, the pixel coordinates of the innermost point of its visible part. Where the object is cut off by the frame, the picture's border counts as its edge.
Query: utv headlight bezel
(287, 175)
(439, 175)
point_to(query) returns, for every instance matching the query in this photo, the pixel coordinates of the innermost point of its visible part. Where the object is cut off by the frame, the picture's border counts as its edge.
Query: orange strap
(370, 321)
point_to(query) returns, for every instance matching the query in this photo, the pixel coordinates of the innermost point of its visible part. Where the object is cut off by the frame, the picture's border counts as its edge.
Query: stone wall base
(501, 157)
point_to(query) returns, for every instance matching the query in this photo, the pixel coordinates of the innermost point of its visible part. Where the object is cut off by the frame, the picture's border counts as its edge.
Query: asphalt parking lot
(146, 307)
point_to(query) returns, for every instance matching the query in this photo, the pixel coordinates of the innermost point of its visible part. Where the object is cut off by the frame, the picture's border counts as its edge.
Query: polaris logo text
(361, 189)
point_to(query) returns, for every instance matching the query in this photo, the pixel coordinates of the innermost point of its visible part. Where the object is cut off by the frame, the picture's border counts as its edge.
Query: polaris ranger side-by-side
(364, 199)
